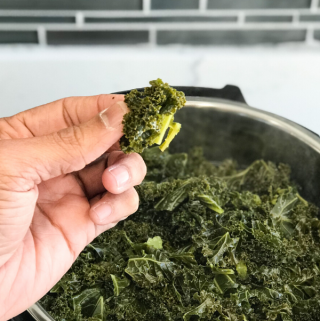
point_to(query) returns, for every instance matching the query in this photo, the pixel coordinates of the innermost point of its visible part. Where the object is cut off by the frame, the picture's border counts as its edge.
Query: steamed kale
(207, 243)
(151, 114)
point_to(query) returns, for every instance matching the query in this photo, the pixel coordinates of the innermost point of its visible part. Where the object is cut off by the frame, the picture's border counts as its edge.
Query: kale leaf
(207, 243)
(151, 114)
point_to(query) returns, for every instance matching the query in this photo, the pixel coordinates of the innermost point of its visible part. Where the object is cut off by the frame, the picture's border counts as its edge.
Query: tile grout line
(241, 18)
(203, 5)
(315, 5)
(165, 26)
(80, 20)
(157, 13)
(152, 37)
(310, 36)
(295, 17)
(42, 35)
(146, 6)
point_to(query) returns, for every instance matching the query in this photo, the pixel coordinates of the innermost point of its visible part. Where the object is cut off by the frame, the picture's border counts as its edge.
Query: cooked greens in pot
(151, 114)
(207, 243)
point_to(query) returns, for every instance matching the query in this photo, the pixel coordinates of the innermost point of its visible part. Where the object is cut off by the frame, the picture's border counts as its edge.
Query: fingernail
(113, 116)
(102, 211)
(120, 174)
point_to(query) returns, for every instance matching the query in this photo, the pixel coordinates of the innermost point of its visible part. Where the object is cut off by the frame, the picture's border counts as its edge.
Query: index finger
(63, 113)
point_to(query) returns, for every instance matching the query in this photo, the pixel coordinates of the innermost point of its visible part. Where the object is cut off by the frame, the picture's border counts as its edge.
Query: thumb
(70, 149)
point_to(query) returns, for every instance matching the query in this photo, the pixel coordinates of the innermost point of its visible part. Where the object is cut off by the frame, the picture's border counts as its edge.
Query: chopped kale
(151, 114)
(207, 243)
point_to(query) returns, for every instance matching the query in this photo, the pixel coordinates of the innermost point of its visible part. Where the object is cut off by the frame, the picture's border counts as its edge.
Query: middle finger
(97, 177)
(124, 171)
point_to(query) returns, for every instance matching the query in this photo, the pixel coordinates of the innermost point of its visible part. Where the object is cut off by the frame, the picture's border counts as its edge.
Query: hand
(53, 191)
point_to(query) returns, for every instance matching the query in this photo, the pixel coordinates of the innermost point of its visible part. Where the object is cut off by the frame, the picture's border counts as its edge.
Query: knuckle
(71, 136)
(69, 119)
(7, 130)
(134, 157)
(3, 123)
(71, 141)
(114, 157)
(100, 101)
(65, 113)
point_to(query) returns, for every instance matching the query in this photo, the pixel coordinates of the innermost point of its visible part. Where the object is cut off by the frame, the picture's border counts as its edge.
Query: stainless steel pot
(228, 128)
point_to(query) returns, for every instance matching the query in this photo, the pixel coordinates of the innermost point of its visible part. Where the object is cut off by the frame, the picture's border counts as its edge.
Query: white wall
(283, 80)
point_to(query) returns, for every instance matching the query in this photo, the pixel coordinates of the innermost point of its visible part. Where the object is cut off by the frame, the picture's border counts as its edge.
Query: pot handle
(229, 92)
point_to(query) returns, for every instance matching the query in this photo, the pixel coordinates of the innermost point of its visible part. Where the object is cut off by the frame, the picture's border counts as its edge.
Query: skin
(63, 181)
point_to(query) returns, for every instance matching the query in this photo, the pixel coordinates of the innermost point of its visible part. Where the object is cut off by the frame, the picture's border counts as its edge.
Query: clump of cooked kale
(151, 114)
(207, 243)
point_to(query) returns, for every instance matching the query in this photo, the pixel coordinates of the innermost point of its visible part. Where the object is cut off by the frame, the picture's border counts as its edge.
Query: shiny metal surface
(276, 121)
(227, 129)
(39, 314)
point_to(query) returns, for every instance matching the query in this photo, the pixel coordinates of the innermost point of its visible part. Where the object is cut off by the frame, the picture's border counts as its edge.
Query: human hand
(53, 191)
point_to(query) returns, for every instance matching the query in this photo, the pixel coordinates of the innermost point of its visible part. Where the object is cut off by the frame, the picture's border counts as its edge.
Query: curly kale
(207, 243)
(151, 114)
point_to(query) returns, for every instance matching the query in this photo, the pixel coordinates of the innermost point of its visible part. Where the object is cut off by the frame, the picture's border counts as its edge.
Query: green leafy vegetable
(119, 284)
(155, 242)
(210, 203)
(170, 201)
(223, 282)
(205, 309)
(86, 301)
(151, 269)
(151, 114)
(207, 243)
(185, 256)
(99, 313)
(281, 211)
(214, 250)
(242, 269)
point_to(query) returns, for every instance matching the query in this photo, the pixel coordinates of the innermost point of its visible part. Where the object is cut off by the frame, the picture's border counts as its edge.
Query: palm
(60, 229)
(61, 222)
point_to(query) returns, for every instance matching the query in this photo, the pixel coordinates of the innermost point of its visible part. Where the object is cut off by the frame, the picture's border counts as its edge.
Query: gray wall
(159, 22)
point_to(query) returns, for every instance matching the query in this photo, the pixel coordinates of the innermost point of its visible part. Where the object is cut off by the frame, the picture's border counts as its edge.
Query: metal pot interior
(232, 130)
